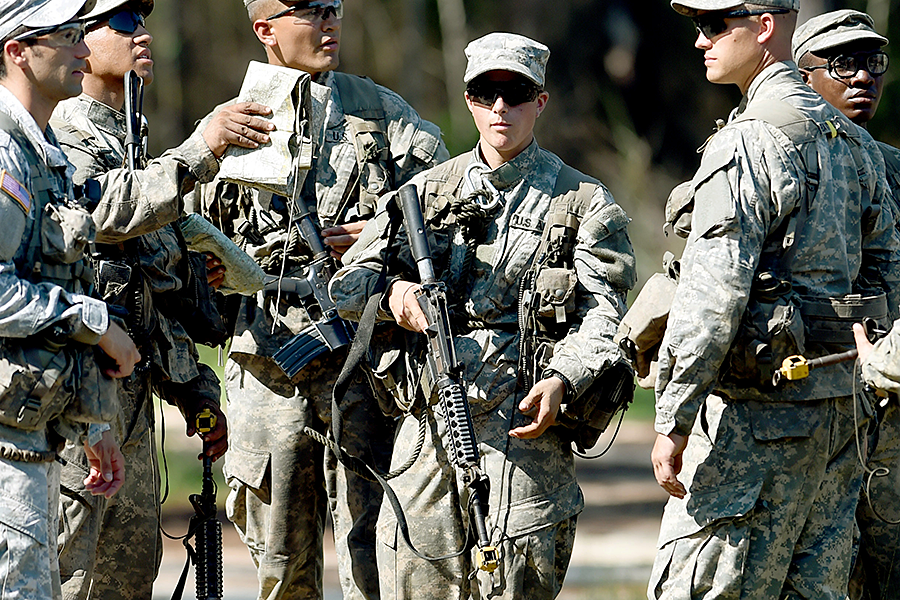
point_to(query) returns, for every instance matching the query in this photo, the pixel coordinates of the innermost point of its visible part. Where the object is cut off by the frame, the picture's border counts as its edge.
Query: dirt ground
(614, 543)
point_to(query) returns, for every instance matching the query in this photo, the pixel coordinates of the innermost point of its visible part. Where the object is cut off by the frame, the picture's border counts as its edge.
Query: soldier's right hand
(236, 125)
(405, 307)
(119, 347)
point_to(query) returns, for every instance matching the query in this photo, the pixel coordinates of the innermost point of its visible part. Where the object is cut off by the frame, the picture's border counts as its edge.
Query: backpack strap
(366, 119)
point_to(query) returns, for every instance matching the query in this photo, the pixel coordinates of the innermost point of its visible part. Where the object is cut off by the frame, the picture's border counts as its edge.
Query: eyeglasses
(124, 21)
(845, 66)
(67, 35)
(313, 12)
(514, 93)
(713, 23)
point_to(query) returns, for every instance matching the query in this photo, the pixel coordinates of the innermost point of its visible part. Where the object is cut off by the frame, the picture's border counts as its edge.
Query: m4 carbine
(328, 331)
(445, 370)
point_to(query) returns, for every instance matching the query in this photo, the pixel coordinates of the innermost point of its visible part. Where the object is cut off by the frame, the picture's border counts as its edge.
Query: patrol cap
(834, 29)
(507, 52)
(691, 8)
(104, 6)
(37, 14)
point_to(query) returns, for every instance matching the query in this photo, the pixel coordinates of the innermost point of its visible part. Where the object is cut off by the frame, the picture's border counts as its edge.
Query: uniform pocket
(33, 386)
(247, 466)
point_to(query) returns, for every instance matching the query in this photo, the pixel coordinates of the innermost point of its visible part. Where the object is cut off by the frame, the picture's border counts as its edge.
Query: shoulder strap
(70, 136)
(571, 198)
(367, 121)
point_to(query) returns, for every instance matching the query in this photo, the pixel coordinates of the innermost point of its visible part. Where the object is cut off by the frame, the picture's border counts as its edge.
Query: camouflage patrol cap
(37, 14)
(834, 29)
(507, 52)
(104, 6)
(691, 8)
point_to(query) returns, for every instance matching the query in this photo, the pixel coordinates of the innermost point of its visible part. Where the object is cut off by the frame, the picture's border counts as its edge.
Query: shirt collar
(510, 173)
(43, 141)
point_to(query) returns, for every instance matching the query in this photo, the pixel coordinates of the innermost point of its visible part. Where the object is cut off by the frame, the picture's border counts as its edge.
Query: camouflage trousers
(534, 558)
(28, 502)
(282, 481)
(876, 571)
(112, 548)
(770, 511)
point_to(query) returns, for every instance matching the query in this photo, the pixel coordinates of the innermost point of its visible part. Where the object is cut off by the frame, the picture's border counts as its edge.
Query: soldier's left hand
(863, 345)
(215, 270)
(341, 237)
(107, 466)
(237, 125)
(215, 441)
(666, 457)
(542, 405)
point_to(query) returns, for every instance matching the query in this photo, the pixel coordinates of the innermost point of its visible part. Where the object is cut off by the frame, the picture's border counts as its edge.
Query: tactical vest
(48, 374)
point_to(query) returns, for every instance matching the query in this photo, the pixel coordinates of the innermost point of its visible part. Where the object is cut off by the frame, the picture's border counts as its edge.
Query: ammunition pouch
(33, 386)
(588, 416)
(388, 370)
(555, 291)
(642, 328)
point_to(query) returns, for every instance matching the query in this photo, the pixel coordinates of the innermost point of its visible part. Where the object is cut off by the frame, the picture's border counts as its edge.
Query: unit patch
(15, 190)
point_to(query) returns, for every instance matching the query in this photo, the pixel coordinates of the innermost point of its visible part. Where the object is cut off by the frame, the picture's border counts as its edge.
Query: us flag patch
(15, 190)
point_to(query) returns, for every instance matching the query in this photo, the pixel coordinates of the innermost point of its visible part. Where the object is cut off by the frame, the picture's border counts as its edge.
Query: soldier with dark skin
(842, 57)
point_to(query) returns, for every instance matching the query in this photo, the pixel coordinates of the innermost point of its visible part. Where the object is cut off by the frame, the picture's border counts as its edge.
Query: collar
(44, 141)
(511, 172)
(776, 74)
(106, 118)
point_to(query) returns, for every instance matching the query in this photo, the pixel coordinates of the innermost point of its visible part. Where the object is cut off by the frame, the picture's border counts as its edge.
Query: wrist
(569, 393)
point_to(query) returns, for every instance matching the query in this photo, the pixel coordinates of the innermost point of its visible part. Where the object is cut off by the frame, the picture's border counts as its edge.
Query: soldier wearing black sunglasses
(841, 56)
(135, 235)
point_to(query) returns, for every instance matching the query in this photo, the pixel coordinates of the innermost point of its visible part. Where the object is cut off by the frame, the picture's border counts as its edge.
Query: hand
(215, 441)
(666, 458)
(405, 306)
(341, 237)
(542, 404)
(107, 466)
(863, 345)
(215, 271)
(236, 125)
(119, 347)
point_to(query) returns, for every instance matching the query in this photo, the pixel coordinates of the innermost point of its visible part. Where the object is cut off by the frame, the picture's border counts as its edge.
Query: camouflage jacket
(604, 267)
(414, 145)
(50, 288)
(749, 182)
(93, 135)
(133, 204)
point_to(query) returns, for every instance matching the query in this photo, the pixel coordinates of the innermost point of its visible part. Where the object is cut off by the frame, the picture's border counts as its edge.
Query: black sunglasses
(124, 21)
(514, 92)
(713, 23)
(313, 12)
(845, 66)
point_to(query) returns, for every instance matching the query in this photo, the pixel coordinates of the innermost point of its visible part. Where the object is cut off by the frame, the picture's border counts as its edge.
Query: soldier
(534, 498)
(278, 483)
(113, 548)
(840, 56)
(792, 239)
(54, 336)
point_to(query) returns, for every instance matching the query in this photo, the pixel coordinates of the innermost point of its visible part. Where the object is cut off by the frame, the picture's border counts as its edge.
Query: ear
(469, 104)
(766, 28)
(542, 100)
(264, 32)
(14, 53)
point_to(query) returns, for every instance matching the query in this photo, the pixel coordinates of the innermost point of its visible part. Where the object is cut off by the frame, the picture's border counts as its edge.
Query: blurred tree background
(629, 100)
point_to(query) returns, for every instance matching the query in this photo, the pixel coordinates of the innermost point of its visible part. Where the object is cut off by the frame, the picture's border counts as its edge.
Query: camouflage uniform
(112, 548)
(534, 498)
(279, 477)
(876, 571)
(777, 467)
(44, 286)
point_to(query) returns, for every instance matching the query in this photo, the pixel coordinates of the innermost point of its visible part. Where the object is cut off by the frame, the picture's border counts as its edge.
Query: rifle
(328, 330)
(205, 527)
(445, 371)
(134, 105)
